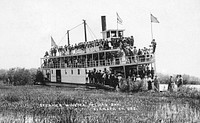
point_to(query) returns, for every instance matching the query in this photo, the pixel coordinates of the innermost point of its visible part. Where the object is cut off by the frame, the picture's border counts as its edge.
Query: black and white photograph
(100, 61)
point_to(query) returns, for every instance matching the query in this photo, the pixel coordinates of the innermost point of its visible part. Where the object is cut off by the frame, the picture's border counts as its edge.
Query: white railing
(97, 63)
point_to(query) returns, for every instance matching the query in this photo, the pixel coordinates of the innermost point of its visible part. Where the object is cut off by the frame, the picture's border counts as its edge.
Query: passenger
(105, 77)
(144, 83)
(112, 80)
(148, 71)
(130, 83)
(153, 45)
(100, 77)
(174, 86)
(51, 51)
(119, 77)
(133, 78)
(94, 76)
(46, 54)
(149, 81)
(170, 84)
(137, 83)
(152, 72)
(134, 51)
(180, 81)
(156, 84)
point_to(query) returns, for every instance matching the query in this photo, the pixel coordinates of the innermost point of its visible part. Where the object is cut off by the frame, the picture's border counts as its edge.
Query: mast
(84, 23)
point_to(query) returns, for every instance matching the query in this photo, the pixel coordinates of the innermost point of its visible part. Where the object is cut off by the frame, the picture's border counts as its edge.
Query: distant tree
(2, 74)
(18, 76)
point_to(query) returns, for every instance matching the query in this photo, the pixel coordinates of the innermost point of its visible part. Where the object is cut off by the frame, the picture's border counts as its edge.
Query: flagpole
(117, 25)
(151, 28)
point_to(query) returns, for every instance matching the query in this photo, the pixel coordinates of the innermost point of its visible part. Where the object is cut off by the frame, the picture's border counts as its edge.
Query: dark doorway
(58, 75)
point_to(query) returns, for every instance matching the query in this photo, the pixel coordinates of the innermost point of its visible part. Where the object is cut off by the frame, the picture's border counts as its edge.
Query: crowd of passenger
(108, 77)
(125, 43)
(148, 80)
(131, 53)
(174, 84)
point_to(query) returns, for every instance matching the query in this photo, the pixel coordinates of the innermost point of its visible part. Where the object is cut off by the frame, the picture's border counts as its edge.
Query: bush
(123, 85)
(133, 86)
(39, 77)
(136, 86)
(19, 76)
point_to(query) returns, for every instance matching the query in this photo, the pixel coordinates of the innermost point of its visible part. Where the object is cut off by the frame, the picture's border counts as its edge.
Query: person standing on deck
(152, 72)
(153, 45)
(89, 76)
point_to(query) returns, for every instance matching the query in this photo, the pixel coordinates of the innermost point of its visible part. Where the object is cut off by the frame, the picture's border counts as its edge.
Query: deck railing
(97, 63)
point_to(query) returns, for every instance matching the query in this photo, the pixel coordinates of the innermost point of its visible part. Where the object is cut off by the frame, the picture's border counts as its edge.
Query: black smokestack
(103, 22)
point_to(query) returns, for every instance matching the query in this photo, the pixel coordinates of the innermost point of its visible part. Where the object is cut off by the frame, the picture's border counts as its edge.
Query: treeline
(187, 79)
(21, 76)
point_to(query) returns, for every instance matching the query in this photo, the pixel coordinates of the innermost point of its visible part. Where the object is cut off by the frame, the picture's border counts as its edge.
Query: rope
(67, 32)
(91, 34)
(75, 27)
(62, 38)
(91, 31)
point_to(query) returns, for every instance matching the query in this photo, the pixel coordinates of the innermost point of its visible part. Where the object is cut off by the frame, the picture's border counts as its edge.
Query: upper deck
(116, 52)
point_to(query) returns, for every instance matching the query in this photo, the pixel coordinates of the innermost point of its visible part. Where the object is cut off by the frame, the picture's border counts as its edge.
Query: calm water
(163, 87)
(169, 111)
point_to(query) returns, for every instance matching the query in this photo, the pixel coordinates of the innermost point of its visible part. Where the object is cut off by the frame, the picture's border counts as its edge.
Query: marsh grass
(52, 104)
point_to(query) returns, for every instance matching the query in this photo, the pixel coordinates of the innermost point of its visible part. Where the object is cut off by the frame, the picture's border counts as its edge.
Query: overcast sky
(26, 27)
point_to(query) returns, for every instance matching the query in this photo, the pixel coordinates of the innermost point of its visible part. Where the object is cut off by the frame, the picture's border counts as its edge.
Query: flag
(154, 19)
(53, 44)
(119, 20)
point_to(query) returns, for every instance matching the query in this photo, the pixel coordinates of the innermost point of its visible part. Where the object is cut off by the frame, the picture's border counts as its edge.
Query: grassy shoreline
(72, 105)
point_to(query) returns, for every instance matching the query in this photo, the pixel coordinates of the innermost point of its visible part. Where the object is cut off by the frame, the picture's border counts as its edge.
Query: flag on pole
(119, 20)
(53, 44)
(154, 19)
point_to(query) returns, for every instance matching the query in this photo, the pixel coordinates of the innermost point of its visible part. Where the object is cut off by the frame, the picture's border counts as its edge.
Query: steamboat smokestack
(103, 22)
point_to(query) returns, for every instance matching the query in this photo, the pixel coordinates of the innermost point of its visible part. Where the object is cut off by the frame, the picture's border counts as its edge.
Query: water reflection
(169, 111)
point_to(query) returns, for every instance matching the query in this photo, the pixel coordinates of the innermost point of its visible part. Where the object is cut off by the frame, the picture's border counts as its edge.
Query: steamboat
(113, 54)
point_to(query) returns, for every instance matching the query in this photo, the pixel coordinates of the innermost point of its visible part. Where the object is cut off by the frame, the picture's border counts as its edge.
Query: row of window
(79, 72)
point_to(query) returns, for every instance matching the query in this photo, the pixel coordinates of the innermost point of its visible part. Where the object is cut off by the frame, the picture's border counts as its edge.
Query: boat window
(113, 34)
(108, 34)
(71, 71)
(120, 33)
(78, 71)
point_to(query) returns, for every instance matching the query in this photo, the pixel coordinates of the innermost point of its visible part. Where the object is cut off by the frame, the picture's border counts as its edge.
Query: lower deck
(82, 75)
